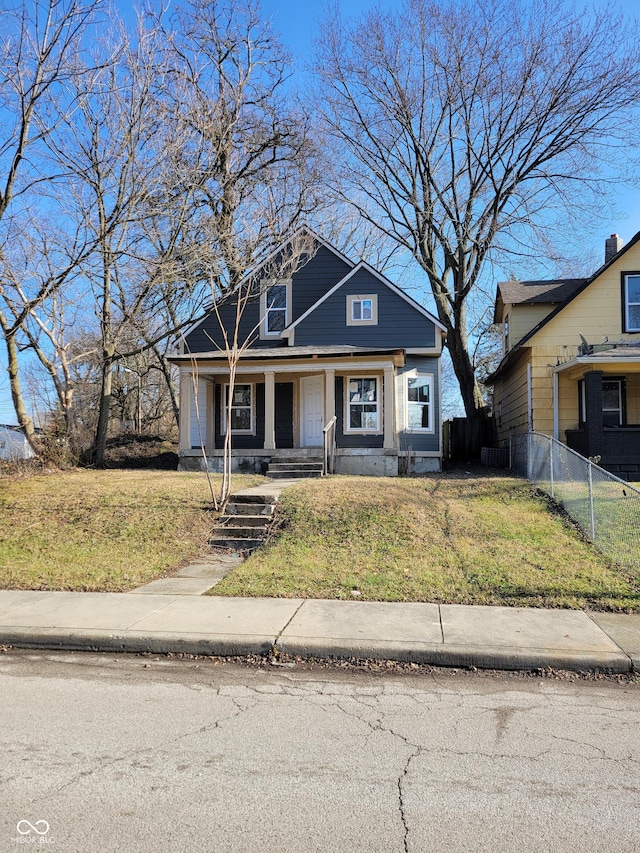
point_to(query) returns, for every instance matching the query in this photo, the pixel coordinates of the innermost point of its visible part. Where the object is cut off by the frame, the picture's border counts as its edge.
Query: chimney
(612, 246)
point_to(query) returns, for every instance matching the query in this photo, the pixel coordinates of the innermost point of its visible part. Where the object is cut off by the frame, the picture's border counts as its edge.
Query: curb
(481, 657)
(132, 643)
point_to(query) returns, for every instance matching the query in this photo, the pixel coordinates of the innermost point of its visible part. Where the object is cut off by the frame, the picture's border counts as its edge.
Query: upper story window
(631, 302)
(506, 333)
(275, 309)
(362, 310)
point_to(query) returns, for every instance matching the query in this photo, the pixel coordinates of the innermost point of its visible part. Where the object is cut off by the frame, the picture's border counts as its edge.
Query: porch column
(186, 391)
(593, 404)
(329, 395)
(389, 399)
(269, 410)
(209, 415)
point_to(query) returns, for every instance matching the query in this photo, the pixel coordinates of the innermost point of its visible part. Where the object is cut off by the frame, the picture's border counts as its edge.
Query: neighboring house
(571, 364)
(13, 443)
(335, 340)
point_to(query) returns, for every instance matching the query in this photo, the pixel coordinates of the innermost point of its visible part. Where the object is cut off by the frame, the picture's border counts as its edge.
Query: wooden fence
(464, 439)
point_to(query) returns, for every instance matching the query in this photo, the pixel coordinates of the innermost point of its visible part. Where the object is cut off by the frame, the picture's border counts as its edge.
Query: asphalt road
(108, 753)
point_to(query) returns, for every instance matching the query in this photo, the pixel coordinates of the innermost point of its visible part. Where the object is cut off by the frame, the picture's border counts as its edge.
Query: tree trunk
(102, 429)
(16, 394)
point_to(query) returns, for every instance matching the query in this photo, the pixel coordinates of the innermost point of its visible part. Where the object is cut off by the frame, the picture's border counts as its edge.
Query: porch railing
(329, 442)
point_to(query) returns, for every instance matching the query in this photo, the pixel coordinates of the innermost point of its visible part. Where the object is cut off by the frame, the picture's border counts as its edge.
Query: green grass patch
(101, 530)
(441, 538)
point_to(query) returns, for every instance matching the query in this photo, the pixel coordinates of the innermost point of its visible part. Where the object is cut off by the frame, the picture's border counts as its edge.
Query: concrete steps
(246, 523)
(296, 468)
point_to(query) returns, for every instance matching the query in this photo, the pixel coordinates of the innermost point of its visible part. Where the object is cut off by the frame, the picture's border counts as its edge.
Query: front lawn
(442, 538)
(102, 530)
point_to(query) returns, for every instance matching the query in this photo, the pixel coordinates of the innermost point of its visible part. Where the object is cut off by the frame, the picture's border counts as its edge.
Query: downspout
(529, 400)
(556, 415)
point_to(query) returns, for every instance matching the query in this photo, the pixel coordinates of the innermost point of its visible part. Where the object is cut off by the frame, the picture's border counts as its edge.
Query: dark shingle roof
(518, 292)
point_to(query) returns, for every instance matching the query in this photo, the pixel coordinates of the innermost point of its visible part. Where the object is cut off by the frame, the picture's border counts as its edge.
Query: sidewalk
(441, 635)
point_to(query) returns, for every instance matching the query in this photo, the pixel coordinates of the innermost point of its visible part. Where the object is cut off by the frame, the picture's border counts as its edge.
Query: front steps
(246, 523)
(296, 468)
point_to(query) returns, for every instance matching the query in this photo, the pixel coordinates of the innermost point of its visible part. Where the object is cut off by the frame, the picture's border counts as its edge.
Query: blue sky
(296, 22)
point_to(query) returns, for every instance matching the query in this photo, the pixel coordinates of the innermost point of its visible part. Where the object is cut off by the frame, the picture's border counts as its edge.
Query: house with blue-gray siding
(337, 363)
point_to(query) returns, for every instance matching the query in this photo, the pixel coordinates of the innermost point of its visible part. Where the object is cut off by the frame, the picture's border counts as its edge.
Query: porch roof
(291, 353)
(623, 355)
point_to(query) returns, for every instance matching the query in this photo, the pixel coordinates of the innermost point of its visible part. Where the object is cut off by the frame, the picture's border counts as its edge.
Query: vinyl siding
(198, 418)
(399, 324)
(523, 318)
(310, 283)
(511, 392)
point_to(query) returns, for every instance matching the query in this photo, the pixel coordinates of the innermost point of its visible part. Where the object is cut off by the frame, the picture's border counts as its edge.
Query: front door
(312, 411)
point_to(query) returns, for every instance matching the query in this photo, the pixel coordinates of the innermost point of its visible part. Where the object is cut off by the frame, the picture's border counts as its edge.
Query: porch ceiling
(297, 355)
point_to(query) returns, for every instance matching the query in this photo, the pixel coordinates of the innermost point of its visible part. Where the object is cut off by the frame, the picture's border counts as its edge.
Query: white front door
(312, 388)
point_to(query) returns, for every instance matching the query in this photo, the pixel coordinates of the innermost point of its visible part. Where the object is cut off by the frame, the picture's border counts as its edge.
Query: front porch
(280, 410)
(607, 428)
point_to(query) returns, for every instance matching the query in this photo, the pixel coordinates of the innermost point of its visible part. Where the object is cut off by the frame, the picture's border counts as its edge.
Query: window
(275, 309)
(363, 404)
(362, 310)
(506, 334)
(612, 390)
(241, 408)
(631, 302)
(419, 402)
(613, 402)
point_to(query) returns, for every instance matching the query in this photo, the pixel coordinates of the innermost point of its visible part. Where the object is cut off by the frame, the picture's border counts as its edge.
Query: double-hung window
(363, 404)
(420, 402)
(275, 308)
(614, 393)
(631, 302)
(241, 413)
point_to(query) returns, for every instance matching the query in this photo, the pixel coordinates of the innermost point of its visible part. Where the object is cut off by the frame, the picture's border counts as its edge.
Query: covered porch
(605, 388)
(293, 404)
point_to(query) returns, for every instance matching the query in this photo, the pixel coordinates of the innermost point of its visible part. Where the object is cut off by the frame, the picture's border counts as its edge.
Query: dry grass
(469, 540)
(101, 530)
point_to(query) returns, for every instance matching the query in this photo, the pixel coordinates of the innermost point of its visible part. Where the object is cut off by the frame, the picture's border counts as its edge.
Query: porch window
(275, 309)
(241, 408)
(631, 302)
(420, 402)
(362, 310)
(363, 404)
(613, 402)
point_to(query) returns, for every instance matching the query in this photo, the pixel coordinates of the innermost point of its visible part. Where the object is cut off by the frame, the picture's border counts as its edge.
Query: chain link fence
(606, 508)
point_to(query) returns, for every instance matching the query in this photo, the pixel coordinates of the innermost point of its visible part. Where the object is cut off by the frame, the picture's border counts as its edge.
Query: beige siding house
(571, 363)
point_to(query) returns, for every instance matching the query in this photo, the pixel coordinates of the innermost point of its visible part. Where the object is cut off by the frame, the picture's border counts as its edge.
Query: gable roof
(302, 230)
(511, 356)
(363, 265)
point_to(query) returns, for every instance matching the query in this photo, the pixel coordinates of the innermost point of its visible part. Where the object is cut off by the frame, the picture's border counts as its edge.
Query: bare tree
(463, 124)
(118, 190)
(244, 145)
(37, 45)
(245, 154)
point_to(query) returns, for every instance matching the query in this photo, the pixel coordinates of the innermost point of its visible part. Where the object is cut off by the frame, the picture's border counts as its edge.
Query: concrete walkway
(443, 635)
